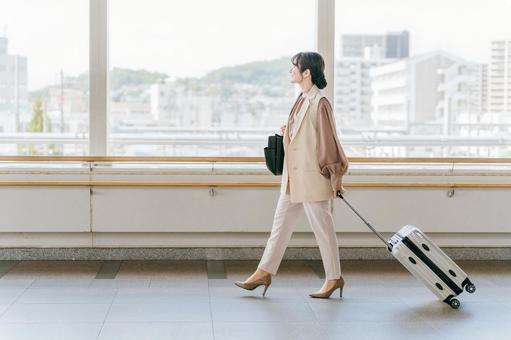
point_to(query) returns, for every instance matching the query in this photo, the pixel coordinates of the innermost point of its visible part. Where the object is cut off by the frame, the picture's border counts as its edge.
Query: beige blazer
(301, 175)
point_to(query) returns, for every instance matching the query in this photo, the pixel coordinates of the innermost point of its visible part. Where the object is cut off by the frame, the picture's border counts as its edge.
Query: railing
(446, 166)
(150, 159)
(254, 137)
(257, 184)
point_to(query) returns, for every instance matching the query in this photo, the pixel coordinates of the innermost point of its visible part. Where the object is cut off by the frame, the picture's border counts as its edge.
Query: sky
(190, 38)
(461, 27)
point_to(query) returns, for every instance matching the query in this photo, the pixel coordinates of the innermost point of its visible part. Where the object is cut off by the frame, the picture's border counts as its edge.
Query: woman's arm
(331, 157)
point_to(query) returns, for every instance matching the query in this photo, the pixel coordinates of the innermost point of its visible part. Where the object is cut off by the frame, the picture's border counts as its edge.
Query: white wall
(242, 216)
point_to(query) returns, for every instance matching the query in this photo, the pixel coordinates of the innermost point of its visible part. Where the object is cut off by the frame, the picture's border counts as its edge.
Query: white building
(463, 89)
(392, 45)
(13, 88)
(176, 106)
(499, 86)
(406, 93)
(358, 54)
(353, 91)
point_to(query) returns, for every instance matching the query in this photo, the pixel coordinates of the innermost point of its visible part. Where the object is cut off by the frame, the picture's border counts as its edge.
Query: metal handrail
(150, 159)
(439, 185)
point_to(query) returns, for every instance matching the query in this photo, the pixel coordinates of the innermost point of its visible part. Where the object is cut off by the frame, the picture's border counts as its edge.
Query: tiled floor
(197, 300)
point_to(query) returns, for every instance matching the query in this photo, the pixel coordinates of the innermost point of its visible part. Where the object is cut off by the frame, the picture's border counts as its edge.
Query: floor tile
(68, 295)
(157, 331)
(50, 331)
(351, 309)
(160, 312)
(177, 300)
(253, 310)
(39, 312)
(390, 330)
(276, 330)
(161, 295)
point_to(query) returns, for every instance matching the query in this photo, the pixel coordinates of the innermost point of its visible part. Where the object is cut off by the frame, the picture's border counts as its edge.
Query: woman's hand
(282, 130)
(336, 182)
(341, 190)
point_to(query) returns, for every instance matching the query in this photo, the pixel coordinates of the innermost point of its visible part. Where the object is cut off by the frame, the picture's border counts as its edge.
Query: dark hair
(313, 62)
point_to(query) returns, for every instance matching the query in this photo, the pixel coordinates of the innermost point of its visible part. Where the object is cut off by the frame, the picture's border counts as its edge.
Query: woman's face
(296, 75)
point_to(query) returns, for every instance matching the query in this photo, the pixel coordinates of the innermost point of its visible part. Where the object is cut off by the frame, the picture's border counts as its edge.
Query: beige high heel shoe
(325, 295)
(265, 280)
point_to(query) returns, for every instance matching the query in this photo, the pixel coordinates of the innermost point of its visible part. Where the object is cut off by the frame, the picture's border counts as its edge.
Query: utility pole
(45, 117)
(62, 101)
(17, 92)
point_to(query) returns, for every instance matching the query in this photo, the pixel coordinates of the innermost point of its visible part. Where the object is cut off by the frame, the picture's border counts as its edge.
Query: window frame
(99, 95)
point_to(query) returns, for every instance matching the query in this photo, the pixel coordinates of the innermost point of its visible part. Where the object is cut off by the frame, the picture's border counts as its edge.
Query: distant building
(13, 88)
(74, 100)
(499, 84)
(358, 54)
(392, 45)
(463, 90)
(366, 46)
(434, 89)
(353, 91)
(397, 45)
(177, 106)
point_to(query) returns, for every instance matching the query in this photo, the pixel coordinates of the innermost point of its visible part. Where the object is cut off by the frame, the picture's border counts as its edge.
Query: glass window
(202, 78)
(44, 82)
(432, 74)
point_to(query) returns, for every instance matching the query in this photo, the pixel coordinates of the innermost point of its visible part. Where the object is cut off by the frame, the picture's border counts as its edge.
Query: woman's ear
(306, 73)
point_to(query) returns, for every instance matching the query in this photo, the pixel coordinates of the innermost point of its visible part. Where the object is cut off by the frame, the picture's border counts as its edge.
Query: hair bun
(320, 81)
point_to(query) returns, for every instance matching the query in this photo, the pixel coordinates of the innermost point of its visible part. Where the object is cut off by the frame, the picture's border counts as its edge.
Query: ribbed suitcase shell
(428, 263)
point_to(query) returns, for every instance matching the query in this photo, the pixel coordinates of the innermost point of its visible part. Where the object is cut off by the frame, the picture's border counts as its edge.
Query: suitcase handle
(380, 236)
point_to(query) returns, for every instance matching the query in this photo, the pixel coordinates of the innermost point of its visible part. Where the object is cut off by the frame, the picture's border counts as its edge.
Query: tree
(37, 123)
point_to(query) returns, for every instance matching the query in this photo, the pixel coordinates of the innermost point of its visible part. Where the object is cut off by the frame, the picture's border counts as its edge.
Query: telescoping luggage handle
(380, 236)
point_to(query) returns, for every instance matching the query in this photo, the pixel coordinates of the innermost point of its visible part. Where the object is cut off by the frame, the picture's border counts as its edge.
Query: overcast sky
(190, 38)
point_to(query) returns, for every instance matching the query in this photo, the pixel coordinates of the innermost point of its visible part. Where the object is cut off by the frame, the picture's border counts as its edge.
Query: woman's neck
(306, 86)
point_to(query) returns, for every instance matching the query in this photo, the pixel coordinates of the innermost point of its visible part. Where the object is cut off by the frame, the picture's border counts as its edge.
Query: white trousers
(321, 221)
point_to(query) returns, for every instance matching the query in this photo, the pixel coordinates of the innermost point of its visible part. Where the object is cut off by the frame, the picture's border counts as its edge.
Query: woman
(314, 164)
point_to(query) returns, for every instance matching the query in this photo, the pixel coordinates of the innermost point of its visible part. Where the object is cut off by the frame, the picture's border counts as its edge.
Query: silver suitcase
(426, 261)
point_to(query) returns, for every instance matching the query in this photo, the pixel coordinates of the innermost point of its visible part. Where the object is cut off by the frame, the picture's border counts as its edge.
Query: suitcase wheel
(454, 303)
(470, 288)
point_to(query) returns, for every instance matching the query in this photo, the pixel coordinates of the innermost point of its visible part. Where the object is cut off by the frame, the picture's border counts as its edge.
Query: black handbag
(274, 154)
